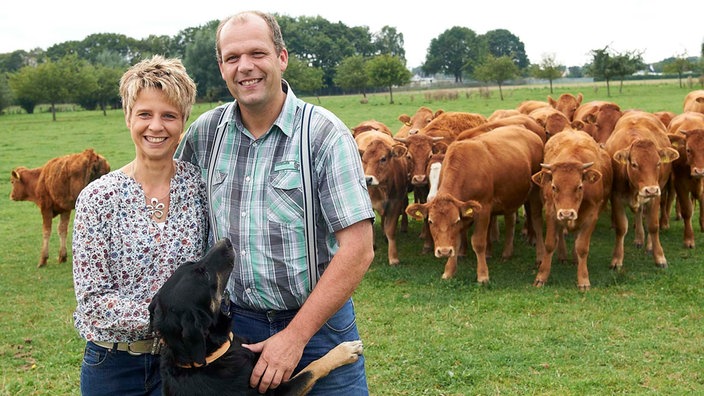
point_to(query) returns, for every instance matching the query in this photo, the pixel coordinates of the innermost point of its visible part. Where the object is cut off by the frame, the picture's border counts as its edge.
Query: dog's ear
(193, 331)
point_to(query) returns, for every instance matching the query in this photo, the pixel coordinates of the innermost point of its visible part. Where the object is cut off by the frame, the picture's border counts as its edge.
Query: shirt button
(242, 253)
(247, 178)
(243, 214)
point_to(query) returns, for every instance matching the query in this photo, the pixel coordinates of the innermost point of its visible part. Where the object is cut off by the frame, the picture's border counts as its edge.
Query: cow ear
(621, 156)
(439, 147)
(668, 154)
(577, 124)
(591, 176)
(438, 112)
(541, 177)
(417, 211)
(399, 150)
(16, 174)
(678, 141)
(468, 208)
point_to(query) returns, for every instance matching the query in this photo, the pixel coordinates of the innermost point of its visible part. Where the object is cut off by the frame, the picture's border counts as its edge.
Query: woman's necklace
(156, 206)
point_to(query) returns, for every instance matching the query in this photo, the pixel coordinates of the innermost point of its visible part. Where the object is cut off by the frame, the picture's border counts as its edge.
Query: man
(257, 200)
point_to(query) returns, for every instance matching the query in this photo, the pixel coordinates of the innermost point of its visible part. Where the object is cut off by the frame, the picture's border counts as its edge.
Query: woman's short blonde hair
(168, 75)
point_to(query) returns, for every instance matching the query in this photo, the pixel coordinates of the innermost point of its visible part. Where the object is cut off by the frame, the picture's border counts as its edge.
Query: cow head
(420, 148)
(563, 187)
(448, 219)
(644, 162)
(692, 143)
(420, 119)
(566, 103)
(380, 160)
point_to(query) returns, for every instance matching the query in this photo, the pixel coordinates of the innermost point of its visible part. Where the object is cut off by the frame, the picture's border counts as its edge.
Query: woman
(132, 228)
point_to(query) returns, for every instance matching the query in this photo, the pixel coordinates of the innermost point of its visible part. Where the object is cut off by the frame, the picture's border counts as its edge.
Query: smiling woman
(132, 228)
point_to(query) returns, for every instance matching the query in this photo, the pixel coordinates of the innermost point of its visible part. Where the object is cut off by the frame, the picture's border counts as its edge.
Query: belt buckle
(131, 352)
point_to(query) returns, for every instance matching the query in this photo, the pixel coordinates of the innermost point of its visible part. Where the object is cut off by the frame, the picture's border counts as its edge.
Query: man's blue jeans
(109, 372)
(349, 380)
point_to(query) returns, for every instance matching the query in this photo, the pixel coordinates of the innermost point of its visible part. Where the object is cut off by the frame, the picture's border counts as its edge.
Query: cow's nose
(651, 191)
(419, 180)
(444, 251)
(697, 172)
(567, 214)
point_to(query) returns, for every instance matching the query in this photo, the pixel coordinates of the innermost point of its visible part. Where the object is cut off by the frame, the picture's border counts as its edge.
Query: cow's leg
(686, 208)
(47, 216)
(666, 203)
(510, 225)
(535, 216)
(562, 244)
(390, 224)
(639, 239)
(654, 233)
(427, 238)
(581, 249)
(551, 240)
(63, 232)
(619, 222)
(479, 242)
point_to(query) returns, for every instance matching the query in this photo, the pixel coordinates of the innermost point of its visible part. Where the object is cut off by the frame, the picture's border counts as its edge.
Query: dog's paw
(349, 351)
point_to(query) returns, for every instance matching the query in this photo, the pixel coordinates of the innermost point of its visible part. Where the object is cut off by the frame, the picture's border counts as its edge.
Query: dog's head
(186, 312)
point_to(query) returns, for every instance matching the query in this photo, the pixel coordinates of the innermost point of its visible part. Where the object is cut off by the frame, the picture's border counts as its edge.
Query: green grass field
(638, 332)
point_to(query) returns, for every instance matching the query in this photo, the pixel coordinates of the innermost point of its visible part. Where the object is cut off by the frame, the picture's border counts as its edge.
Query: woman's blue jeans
(107, 372)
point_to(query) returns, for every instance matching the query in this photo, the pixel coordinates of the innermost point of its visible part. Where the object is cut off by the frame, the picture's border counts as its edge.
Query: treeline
(325, 59)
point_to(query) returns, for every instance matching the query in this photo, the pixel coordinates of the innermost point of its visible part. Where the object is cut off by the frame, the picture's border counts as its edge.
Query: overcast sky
(569, 30)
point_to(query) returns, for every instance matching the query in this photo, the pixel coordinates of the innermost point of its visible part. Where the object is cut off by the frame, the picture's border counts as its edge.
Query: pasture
(636, 332)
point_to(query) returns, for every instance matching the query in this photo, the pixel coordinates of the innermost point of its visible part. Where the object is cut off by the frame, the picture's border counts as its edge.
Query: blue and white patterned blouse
(121, 257)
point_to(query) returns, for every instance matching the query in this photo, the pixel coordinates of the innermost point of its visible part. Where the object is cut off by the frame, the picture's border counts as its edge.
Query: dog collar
(213, 356)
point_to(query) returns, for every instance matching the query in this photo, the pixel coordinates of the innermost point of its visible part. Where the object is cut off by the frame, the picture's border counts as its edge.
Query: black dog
(199, 354)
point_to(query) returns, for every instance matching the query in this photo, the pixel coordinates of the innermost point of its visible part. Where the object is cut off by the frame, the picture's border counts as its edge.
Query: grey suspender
(307, 183)
(308, 196)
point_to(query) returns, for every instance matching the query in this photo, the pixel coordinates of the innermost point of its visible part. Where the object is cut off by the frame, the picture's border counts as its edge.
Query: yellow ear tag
(468, 211)
(418, 213)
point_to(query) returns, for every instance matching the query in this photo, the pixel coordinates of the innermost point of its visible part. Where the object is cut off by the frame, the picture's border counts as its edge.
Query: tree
(626, 64)
(679, 65)
(501, 42)
(303, 77)
(602, 66)
(52, 82)
(453, 52)
(498, 70)
(548, 69)
(202, 66)
(389, 41)
(5, 92)
(106, 92)
(386, 71)
(351, 75)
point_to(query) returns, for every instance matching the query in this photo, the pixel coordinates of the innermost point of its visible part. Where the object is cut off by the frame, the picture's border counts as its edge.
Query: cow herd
(562, 162)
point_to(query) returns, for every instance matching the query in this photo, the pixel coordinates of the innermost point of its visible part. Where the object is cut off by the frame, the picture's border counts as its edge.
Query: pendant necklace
(156, 208)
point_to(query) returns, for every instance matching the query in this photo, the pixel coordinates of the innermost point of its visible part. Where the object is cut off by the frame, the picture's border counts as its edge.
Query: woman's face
(155, 125)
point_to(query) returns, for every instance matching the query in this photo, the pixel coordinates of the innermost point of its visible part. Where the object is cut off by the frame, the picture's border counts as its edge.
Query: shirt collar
(285, 122)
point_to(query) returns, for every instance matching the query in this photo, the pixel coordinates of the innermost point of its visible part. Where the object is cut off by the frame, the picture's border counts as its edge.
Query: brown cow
(694, 101)
(502, 113)
(420, 119)
(386, 171)
(552, 121)
(480, 177)
(642, 162)
(370, 125)
(687, 171)
(665, 116)
(566, 103)
(576, 185)
(519, 119)
(452, 123)
(54, 187)
(597, 118)
(364, 138)
(527, 106)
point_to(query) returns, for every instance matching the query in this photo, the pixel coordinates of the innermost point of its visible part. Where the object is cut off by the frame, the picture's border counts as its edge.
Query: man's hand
(280, 355)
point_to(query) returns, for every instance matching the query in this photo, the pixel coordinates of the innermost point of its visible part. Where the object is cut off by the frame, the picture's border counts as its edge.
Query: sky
(546, 28)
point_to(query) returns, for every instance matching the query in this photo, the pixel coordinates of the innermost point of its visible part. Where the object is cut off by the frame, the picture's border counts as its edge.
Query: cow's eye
(554, 188)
